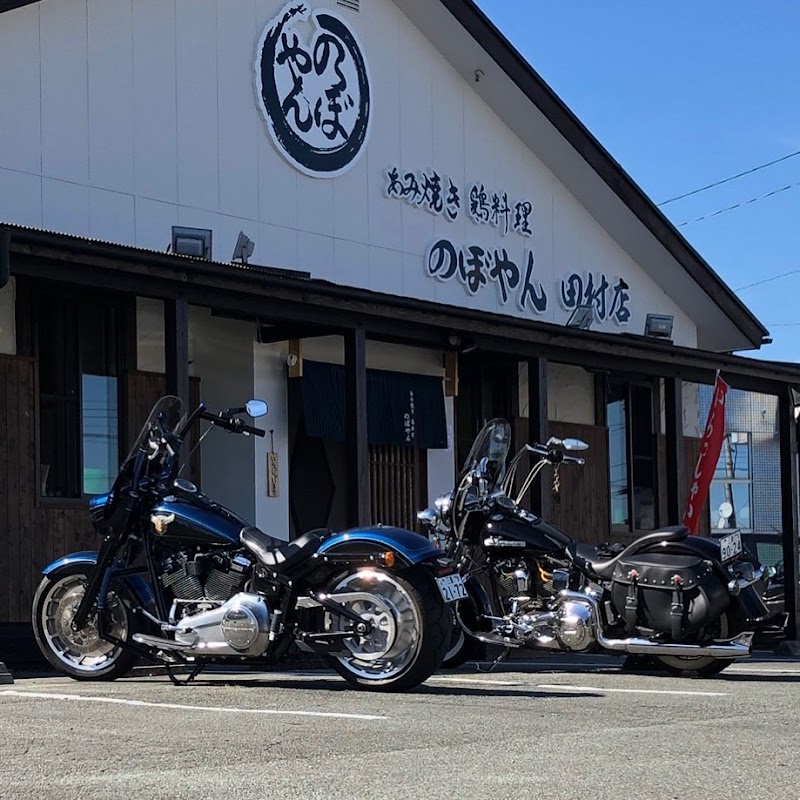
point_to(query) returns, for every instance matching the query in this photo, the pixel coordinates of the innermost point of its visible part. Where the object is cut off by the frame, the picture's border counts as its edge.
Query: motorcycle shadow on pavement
(331, 683)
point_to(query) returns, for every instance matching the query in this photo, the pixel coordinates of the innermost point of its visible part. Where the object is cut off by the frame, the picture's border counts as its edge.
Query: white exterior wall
(570, 394)
(131, 118)
(223, 359)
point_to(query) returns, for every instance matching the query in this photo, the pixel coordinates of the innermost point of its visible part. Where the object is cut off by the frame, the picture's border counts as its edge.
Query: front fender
(412, 548)
(138, 585)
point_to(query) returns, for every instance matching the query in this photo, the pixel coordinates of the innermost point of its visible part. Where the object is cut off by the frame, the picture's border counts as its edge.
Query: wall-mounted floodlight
(195, 242)
(659, 326)
(244, 248)
(581, 318)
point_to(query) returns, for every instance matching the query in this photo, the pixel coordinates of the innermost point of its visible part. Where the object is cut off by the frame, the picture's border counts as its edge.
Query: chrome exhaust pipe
(161, 644)
(738, 647)
(735, 648)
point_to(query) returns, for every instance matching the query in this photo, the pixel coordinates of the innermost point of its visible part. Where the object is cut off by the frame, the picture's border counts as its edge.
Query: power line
(768, 280)
(731, 178)
(740, 205)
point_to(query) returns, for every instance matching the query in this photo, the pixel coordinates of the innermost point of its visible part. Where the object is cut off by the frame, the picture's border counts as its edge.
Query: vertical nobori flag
(708, 457)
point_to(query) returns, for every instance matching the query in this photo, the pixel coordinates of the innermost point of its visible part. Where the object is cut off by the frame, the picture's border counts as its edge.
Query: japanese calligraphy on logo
(314, 95)
(596, 290)
(475, 267)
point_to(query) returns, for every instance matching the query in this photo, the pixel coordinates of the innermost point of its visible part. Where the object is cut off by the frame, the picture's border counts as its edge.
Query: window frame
(28, 292)
(652, 384)
(748, 481)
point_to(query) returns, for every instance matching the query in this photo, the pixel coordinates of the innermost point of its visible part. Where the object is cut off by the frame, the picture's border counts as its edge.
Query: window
(632, 456)
(729, 500)
(76, 341)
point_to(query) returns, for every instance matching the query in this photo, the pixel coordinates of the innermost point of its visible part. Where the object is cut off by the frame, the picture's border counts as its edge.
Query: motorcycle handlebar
(231, 424)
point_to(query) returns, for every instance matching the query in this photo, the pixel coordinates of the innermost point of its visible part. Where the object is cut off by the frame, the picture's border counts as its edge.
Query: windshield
(169, 409)
(492, 443)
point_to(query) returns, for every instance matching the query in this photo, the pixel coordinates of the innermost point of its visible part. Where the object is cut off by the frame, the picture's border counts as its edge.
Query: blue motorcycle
(183, 581)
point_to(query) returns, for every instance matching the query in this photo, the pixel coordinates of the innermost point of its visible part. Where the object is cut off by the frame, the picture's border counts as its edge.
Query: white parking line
(573, 688)
(120, 701)
(453, 679)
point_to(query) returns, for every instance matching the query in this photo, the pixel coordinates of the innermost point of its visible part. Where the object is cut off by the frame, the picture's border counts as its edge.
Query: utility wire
(739, 205)
(768, 280)
(731, 178)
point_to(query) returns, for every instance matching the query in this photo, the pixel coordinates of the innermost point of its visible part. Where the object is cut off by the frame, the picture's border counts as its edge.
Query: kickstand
(196, 670)
(494, 663)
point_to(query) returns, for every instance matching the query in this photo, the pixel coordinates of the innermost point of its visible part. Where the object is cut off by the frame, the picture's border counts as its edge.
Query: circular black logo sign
(315, 94)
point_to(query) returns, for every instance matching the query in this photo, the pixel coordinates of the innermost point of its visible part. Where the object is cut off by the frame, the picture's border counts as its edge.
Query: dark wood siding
(398, 478)
(35, 531)
(581, 507)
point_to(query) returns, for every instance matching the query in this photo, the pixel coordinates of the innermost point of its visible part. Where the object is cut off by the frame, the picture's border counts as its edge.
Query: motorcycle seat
(604, 568)
(276, 554)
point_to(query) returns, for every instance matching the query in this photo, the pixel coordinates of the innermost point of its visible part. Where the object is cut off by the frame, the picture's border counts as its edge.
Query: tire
(462, 648)
(83, 656)
(411, 629)
(703, 667)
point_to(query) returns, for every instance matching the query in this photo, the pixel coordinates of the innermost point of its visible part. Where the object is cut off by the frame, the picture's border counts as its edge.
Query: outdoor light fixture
(659, 326)
(581, 318)
(195, 242)
(244, 248)
(454, 340)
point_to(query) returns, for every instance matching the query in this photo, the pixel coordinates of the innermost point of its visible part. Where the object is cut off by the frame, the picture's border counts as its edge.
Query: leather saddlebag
(669, 594)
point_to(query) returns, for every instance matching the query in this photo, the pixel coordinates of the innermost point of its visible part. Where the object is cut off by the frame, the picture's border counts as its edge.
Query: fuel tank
(540, 536)
(198, 519)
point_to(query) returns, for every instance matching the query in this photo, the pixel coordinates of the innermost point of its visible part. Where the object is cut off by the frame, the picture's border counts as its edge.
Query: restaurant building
(374, 215)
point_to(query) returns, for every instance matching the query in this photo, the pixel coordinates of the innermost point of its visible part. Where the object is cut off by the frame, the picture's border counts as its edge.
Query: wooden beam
(787, 433)
(176, 349)
(676, 482)
(355, 369)
(538, 428)
(284, 332)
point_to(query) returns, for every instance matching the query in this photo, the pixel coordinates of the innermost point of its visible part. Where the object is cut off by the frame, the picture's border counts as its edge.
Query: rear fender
(136, 583)
(408, 547)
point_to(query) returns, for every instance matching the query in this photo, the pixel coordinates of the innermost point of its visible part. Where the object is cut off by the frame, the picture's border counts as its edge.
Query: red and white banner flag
(708, 457)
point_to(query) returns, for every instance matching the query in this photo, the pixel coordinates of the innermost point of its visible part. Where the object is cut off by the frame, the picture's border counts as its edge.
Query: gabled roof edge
(517, 68)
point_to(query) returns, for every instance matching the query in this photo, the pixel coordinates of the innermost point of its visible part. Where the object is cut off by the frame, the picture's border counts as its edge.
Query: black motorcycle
(688, 602)
(181, 580)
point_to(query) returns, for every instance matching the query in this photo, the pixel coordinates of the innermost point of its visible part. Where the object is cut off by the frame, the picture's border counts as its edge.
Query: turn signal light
(388, 558)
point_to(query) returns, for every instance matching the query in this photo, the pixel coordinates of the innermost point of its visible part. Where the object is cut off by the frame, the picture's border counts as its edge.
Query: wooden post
(176, 349)
(355, 369)
(451, 373)
(787, 432)
(676, 473)
(295, 358)
(538, 431)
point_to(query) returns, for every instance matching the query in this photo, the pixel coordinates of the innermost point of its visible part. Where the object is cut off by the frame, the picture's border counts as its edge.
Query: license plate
(452, 588)
(730, 546)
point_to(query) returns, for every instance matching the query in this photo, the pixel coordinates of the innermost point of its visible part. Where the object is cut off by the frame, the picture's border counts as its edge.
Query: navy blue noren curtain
(404, 410)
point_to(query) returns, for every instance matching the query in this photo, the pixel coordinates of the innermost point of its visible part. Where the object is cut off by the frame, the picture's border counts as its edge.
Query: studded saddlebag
(675, 595)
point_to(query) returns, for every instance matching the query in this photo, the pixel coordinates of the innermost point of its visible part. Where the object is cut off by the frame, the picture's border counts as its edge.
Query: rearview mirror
(574, 444)
(256, 408)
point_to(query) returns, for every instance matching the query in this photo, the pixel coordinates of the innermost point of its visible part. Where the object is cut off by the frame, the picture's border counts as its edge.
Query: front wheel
(82, 654)
(409, 632)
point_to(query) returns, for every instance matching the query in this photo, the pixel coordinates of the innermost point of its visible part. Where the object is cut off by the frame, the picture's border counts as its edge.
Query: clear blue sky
(684, 93)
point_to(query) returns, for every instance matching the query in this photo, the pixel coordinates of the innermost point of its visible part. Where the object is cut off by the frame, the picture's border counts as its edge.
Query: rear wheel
(703, 666)
(410, 629)
(82, 654)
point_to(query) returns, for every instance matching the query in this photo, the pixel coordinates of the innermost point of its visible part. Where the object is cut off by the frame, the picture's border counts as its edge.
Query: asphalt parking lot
(552, 729)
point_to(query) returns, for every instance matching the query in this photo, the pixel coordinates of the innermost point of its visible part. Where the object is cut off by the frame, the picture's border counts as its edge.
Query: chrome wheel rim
(83, 650)
(392, 644)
